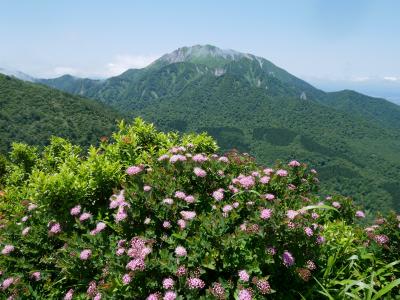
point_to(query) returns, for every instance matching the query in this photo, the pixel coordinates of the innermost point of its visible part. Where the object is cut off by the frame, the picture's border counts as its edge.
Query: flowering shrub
(155, 216)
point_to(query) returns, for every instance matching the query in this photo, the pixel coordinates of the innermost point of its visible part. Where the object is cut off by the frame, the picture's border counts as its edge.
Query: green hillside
(32, 113)
(247, 102)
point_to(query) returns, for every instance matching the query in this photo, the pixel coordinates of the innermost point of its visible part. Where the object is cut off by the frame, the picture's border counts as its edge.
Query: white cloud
(58, 71)
(360, 78)
(391, 78)
(121, 63)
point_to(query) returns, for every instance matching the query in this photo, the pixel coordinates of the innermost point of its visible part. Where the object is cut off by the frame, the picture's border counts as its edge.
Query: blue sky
(328, 43)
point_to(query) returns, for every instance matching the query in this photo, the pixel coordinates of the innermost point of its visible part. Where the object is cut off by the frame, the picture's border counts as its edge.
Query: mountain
(31, 113)
(249, 103)
(17, 74)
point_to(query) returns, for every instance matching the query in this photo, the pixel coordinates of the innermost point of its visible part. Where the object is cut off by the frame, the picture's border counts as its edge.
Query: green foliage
(146, 188)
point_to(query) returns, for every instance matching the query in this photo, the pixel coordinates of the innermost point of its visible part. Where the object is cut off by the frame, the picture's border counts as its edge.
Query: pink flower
(97, 296)
(147, 188)
(268, 171)
(282, 173)
(243, 275)
(188, 215)
(166, 224)
(7, 282)
(133, 170)
(85, 216)
(189, 199)
(223, 159)
(381, 239)
(180, 251)
(218, 195)
(245, 294)
(313, 171)
(271, 250)
(170, 295)
(311, 265)
(92, 289)
(181, 224)
(199, 172)
(195, 283)
(247, 182)
(120, 251)
(69, 294)
(199, 158)
(265, 179)
(176, 158)
(168, 201)
(294, 163)
(154, 296)
(269, 197)
(320, 240)
(55, 228)
(85, 254)
(288, 259)
(76, 210)
(266, 213)
(360, 214)
(99, 227)
(181, 271)
(263, 286)
(291, 214)
(308, 231)
(235, 204)
(25, 231)
(126, 279)
(227, 208)
(25, 218)
(168, 283)
(180, 195)
(136, 264)
(36, 276)
(314, 215)
(336, 204)
(163, 157)
(32, 207)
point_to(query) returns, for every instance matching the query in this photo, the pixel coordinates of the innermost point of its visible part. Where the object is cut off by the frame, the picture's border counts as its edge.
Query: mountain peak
(207, 54)
(17, 74)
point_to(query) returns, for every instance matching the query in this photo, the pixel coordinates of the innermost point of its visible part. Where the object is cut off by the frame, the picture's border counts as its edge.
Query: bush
(159, 216)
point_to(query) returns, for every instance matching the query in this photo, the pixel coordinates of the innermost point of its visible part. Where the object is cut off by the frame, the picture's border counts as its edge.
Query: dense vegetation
(248, 103)
(148, 215)
(32, 113)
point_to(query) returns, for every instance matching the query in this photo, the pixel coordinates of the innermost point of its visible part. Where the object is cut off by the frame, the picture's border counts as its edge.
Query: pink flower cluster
(133, 170)
(195, 283)
(180, 251)
(199, 172)
(199, 158)
(99, 227)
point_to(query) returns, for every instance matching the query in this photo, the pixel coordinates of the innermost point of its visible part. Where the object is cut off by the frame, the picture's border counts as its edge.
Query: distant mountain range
(247, 102)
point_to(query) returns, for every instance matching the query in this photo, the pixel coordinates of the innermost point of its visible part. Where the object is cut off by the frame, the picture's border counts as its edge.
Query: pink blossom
(255, 174)
(181, 224)
(85, 216)
(126, 279)
(271, 250)
(168, 201)
(25, 218)
(69, 294)
(76, 210)
(265, 179)
(195, 283)
(147, 188)
(227, 208)
(223, 159)
(313, 171)
(136, 264)
(243, 275)
(85, 254)
(154, 296)
(291, 187)
(170, 295)
(199, 172)
(92, 289)
(291, 214)
(36, 276)
(176, 158)
(188, 215)
(99, 227)
(133, 170)
(55, 228)
(360, 214)
(163, 157)
(32, 206)
(247, 182)
(320, 240)
(180, 251)
(268, 171)
(25, 231)
(189, 199)
(120, 251)
(7, 282)
(288, 259)
(314, 215)
(311, 265)
(263, 286)
(168, 283)
(97, 296)
(308, 231)
(294, 163)
(245, 294)
(166, 224)
(266, 213)
(180, 195)
(199, 158)
(381, 239)
(181, 271)
(336, 204)
(269, 197)
(235, 204)
(282, 173)
(218, 195)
